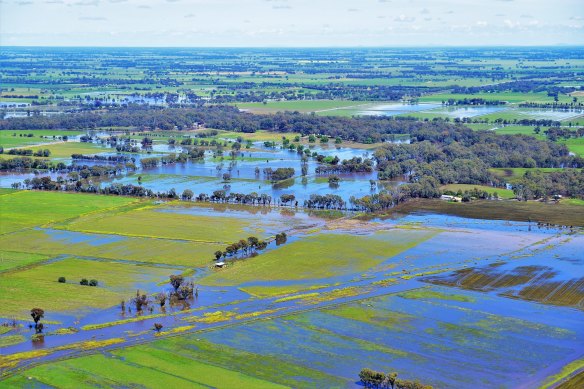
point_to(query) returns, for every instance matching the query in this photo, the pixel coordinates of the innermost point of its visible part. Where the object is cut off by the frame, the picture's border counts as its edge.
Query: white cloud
(296, 23)
(405, 19)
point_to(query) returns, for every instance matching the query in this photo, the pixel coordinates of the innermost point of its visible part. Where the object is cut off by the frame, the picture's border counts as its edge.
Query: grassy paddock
(321, 256)
(503, 193)
(513, 174)
(25, 209)
(39, 286)
(298, 105)
(165, 251)
(11, 259)
(8, 140)
(65, 149)
(149, 222)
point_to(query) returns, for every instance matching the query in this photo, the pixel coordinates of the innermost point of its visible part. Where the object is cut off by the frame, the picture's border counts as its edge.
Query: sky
(291, 23)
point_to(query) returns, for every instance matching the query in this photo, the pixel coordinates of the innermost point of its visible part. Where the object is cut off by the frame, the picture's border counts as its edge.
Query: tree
(390, 379)
(140, 301)
(287, 198)
(161, 299)
(176, 281)
(252, 241)
(334, 180)
(187, 194)
(371, 378)
(218, 254)
(157, 327)
(281, 238)
(37, 314)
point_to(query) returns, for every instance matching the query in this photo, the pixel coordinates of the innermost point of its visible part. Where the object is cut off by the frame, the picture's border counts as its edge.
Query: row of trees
(28, 152)
(328, 201)
(243, 246)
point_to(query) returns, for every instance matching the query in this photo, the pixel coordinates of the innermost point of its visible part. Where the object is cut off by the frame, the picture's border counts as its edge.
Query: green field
(152, 222)
(575, 145)
(147, 250)
(513, 174)
(182, 362)
(12, 259)
(511, 97)
(8, 140)
(40, 284)
(260, 135)
(319, 106)
(65, 149)
(523, 130)
(322, 256)
(24, 209)
(503, 193)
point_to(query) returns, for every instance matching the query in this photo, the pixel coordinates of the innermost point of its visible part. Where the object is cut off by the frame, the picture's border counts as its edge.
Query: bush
(93, 283)
(84, 281)
(62, 280)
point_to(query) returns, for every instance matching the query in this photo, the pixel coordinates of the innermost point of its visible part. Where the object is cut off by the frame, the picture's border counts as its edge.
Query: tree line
(379, 380)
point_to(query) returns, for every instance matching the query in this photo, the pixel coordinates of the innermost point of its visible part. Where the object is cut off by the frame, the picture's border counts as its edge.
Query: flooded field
(245, 170)
(460, 297)
(465, 112)
(396, 109)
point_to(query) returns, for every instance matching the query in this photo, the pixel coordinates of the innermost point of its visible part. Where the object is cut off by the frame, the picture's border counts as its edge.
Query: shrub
(62, 280)
(84, 281)
(93, 283)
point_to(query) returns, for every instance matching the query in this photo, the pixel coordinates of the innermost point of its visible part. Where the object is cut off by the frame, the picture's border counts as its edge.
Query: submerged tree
(176, 281)
(37, 314)
(161, 299)
(140, 301)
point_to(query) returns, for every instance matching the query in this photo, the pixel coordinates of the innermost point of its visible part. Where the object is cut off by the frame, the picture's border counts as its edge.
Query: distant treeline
(360, 129)
(519, 86)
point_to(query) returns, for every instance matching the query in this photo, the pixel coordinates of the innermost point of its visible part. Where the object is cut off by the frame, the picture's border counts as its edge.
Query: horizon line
(558, 45)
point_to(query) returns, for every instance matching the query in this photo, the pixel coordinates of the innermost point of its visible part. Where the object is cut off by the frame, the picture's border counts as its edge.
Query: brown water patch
(559, 214)
(574, 382)
(533, 283)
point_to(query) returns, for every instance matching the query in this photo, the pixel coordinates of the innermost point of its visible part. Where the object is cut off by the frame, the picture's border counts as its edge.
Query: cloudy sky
(291, 22)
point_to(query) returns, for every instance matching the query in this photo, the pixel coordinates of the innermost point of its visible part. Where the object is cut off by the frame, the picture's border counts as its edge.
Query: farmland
(263, 218)
(393, 277)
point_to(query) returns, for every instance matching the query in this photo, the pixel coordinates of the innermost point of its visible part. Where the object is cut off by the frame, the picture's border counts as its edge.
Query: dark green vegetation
(375, 379)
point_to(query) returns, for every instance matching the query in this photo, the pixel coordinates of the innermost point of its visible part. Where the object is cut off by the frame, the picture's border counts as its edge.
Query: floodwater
(547, 114)
(396, 109)
(206, 176)
(471, 111)
(486, 331)
(465, 112)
